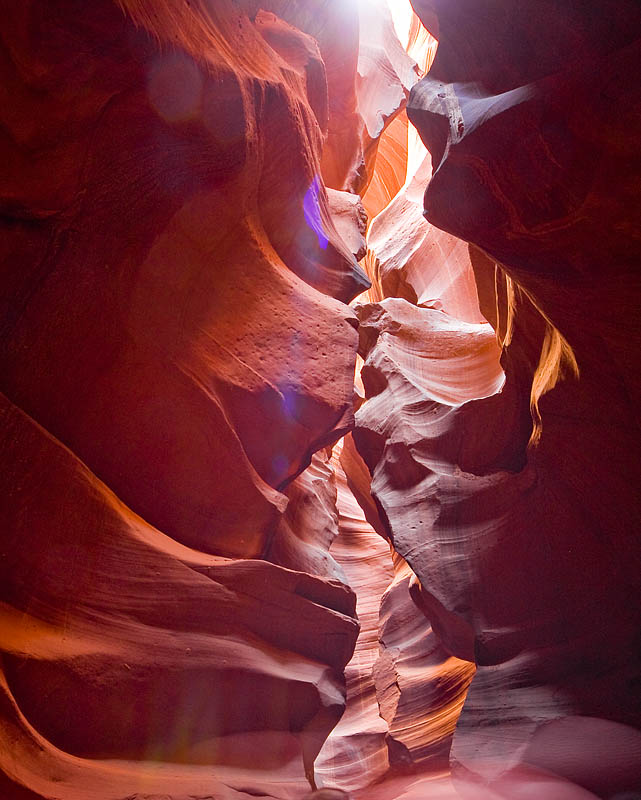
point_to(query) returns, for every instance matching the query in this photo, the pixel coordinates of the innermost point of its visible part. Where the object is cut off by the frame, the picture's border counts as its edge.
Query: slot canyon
(321, 400)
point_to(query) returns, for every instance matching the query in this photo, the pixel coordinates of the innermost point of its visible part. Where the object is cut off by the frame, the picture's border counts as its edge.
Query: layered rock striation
(516, 502)
(172, 356)
(201, 595)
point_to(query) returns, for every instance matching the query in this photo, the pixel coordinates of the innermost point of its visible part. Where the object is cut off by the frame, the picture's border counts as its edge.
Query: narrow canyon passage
(320, 400)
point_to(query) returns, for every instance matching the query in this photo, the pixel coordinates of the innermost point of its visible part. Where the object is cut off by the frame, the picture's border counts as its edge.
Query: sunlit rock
(187, 555)
(525, 549)
(172, 359)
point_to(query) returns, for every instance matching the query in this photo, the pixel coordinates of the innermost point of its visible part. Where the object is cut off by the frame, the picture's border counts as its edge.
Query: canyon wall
(202, 594)
(516, 500)
(175, 348)
(178, 249)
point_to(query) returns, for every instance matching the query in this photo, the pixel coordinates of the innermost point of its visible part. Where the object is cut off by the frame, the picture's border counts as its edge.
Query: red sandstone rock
(147, 649)
(385, 75)
(161, 375)
(310, 523)
(172, 358)
(420, 687)
(523, 538)
(170, 259)
(350, 219)
(404, 692)
(369, 75)
(334, 25)
(418, 261)
(447, 476)
(390, 166)
(300, 52)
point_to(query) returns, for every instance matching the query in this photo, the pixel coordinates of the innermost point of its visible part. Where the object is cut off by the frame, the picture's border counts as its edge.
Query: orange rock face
(202, 594)
(356, 752)
(167, 370)
(139, 642)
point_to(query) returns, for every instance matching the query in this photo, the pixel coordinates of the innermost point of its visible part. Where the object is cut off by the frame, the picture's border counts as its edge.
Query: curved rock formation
(310, 523)
(185, 562)
(404, 691)
(419, 262)
(523, 536)
(369, 75)
(137, 673)
(167, 366)
(356, 752)
(420, 686)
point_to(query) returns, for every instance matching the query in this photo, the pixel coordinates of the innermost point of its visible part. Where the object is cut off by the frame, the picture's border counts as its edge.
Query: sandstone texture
(404, 690)
(319, 400)
(175, 349)
(515, 500)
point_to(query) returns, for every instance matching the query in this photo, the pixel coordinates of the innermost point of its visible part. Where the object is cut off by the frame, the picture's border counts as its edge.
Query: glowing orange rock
(172, 358)
(356, 752)
(418, 261)
(404, 691)
(147, 649)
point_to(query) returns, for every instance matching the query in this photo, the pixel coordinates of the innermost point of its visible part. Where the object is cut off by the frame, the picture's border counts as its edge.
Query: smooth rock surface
(172, 357)
(523, 501)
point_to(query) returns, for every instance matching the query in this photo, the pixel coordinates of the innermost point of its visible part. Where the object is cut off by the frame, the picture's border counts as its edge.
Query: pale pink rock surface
(356, 752)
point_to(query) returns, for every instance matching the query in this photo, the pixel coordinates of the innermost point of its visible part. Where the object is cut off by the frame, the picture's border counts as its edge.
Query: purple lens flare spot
(311, 209)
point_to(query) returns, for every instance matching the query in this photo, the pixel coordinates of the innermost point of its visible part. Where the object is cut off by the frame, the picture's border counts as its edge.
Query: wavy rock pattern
(310, 523)
(356, 752)
(369, 75)
(404, 691)
(420, 686)
(172, 356)
(138, 674)
(419, 262)
(385, 75)
(519, 528)
(183, 562)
